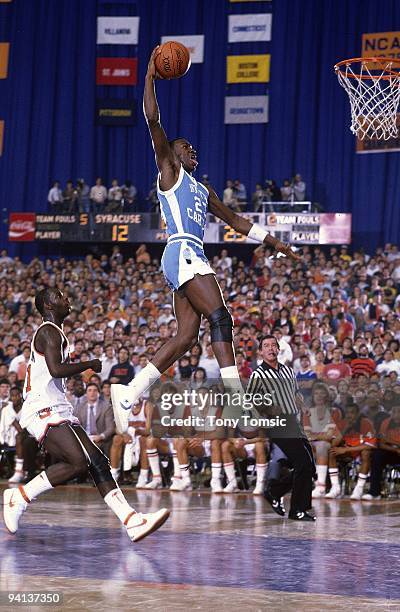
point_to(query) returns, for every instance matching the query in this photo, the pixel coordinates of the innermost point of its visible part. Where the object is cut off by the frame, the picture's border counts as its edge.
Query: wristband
(257, 233)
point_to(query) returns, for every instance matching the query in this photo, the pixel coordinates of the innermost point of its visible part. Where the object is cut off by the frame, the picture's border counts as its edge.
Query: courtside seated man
(48, 416)
(184, 204)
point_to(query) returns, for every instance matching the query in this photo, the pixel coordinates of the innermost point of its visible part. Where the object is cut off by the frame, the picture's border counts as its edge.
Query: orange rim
(389, 72)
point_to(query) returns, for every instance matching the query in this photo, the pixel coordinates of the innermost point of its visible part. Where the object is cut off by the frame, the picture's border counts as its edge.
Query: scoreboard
(295, 228)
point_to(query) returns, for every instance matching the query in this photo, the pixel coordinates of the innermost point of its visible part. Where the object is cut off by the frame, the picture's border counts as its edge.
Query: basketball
(173, 60)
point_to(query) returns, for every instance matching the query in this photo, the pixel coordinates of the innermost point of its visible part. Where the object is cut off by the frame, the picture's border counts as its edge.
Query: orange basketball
(173, 60)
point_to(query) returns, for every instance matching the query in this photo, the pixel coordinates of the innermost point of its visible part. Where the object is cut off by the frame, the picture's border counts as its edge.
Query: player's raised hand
(151, 68)
(286, 249)
(95, 365)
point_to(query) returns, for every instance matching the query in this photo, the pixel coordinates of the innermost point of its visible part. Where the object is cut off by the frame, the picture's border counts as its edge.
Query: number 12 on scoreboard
(119, 233)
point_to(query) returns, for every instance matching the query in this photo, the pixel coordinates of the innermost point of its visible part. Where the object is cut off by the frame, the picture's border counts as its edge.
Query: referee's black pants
(300, 457)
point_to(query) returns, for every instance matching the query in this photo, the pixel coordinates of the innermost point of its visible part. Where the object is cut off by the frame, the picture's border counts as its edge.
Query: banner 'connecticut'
(247, 68)
(117, 30)
(116, 71)
(246, 109)
(195, 44)
(115, 112)
(248, 28)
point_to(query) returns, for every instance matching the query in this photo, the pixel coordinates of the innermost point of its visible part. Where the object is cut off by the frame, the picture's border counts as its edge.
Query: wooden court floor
(216, 552)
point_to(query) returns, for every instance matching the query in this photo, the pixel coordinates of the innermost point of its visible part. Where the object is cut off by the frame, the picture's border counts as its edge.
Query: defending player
(47, 415)
(184, 204)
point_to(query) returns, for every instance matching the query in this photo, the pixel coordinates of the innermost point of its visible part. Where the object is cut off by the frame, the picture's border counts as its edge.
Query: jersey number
(28, 379)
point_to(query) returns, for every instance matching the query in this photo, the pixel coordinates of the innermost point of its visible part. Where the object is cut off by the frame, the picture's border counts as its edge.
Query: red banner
(21, 227)
(116, 71)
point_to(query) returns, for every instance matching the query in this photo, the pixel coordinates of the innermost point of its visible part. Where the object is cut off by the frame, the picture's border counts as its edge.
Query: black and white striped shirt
(280, 383)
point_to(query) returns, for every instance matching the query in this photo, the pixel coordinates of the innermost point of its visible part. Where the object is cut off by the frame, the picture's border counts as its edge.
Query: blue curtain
(48, 102)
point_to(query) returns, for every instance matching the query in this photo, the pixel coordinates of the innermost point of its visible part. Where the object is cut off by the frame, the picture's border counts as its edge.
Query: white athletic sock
(322, 471)
(260, 471)
(36, 486)
(361, 480)
(216, 471)
(233, 386)
(143, 474)
(154, 461)
(115, 473)
(116, 501)
(19, 465)
(230, 471)
(177, 467)
(231, 379)
(185, 473)
(334, 476)
(143, 381)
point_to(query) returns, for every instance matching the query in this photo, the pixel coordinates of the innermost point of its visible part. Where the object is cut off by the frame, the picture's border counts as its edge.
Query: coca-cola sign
(21, 227)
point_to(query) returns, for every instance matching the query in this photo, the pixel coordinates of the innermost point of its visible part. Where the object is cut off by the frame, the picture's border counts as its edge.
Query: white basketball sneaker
(14, 506)
(369, 497)
(258, 489)
(141, 483)
(17, 477)
(216, 486)
(318, 492)
(121, 403)
(156, 483)
(357, 493)
(334, 492)
(231, 487)
(140, 525)
(180, 485)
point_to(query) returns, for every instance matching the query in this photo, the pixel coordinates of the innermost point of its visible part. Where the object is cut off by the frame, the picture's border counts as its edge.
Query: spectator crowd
(265, 194)
(97, 199)
(80, 198)
(335, 315)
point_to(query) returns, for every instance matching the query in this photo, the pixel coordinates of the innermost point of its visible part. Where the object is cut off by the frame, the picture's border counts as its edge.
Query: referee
(279, 382)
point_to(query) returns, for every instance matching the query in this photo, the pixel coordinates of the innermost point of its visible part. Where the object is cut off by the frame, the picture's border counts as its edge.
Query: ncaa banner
(116, 71)
(248, 28)
(381, 44)
(21, 227)
(115, 112)
(117, 30)
(247, 68)
(246, 109)
(195, 44)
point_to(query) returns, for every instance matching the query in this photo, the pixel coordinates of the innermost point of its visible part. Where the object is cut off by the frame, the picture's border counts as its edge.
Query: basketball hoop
(373, 86)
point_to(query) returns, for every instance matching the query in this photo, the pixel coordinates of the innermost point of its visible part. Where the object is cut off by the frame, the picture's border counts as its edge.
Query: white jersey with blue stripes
(184, 206)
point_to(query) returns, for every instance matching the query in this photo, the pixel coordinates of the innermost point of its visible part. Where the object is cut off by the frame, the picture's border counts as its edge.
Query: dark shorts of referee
(300, 458)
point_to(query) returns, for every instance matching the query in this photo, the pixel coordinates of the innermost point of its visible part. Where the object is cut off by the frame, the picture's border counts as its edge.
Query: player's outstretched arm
(165, 157)
(49, 342)
(245, 227)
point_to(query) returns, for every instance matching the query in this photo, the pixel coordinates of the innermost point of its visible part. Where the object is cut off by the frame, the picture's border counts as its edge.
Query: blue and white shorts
(183, 257)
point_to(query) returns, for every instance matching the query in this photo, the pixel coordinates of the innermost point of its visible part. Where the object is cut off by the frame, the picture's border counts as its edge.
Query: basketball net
(373, 87)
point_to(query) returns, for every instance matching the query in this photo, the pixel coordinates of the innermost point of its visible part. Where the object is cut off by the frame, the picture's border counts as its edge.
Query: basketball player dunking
(184, 204)
(47, 415)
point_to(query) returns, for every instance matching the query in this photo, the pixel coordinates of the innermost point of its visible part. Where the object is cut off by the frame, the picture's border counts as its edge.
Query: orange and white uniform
(137, 420)
(45, 404)
(362, 432)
